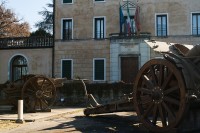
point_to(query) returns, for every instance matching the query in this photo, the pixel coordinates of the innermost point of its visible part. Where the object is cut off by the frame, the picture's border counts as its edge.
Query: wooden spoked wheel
(38, 93)
(160, 95)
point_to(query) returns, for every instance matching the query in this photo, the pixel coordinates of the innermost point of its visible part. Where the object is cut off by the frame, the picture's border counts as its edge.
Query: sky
(28, 10)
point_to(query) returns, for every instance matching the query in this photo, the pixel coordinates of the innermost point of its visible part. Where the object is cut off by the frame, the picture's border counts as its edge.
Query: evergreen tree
(47, 22)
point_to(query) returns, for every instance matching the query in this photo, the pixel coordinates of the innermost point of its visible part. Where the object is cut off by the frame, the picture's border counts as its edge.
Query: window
(99, 28)
(196, 24)
(98, 0)
(99, 70)
(67, 29)
(67, 1)
(161, 25)
(18, 67)
(67, 69)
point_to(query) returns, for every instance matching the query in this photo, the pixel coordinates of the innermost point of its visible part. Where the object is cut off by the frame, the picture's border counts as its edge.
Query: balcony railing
(26, 42)
(129, 36)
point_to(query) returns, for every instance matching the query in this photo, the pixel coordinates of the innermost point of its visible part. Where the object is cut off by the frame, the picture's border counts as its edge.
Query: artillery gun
(37, 91)
(166, 92)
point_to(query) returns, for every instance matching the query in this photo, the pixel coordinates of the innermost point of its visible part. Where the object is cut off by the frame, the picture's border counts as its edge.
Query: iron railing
(129, 36)
(26, 42)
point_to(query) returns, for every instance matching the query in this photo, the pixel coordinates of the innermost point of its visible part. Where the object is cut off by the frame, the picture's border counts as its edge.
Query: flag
(128, 21)
(137, 20)
(121, 17)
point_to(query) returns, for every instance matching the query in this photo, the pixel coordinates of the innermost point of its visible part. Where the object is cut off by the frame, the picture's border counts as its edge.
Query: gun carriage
(37, 91)
(165, 90)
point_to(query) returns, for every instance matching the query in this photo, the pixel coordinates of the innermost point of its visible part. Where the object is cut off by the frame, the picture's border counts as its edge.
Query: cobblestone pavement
(75, 121)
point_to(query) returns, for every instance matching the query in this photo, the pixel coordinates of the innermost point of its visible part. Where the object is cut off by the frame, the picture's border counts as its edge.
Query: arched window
(19, 67)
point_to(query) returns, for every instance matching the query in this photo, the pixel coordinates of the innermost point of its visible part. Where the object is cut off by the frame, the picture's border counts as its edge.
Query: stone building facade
(91, 54)
(78, 49)
(91, 43)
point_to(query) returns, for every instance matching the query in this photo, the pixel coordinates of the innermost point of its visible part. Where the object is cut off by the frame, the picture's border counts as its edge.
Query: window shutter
(99, 69)
(67, 69)
(67, 1)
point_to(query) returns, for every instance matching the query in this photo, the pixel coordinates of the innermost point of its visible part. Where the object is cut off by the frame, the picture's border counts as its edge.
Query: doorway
(129, 68)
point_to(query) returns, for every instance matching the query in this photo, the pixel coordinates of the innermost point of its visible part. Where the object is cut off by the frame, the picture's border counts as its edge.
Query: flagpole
(120, 17)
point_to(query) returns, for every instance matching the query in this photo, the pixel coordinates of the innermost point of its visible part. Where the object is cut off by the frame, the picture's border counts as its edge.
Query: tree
(40, 32)
(10, 25)
(47, 22)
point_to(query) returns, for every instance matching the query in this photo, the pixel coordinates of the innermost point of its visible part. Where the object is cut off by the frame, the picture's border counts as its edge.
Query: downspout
(53, 49)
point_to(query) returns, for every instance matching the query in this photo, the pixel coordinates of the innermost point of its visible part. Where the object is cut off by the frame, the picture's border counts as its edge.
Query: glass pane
(67, 29)
(99, 28)
(159, 26)
(162, 25)
(198, 25)
(24, 70)
(194, 25)
(19, 67)
(17, 73)
(102, 29)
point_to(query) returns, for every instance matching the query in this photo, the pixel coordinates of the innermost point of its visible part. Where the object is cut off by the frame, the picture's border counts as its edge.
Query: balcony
(114, 36)
(26, 42)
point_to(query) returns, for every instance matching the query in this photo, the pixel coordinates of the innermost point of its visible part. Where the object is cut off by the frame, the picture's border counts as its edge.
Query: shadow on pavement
(101, 123)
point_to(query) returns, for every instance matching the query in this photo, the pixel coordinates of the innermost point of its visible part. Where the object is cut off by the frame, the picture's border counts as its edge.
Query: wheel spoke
(30, 90)
(170, 90)
(42, 84)
(171, 115)
(145, 100)
(167, 80)
(147, 82)
(46, 87)
(33, 85)
(49, 95)
(160, 81)
(154, 78)
(35, 103)
(171, 100)
(162, 116)
(155, 114)
(45, 102)
(158, 96)
(148, 111)
(145, 90)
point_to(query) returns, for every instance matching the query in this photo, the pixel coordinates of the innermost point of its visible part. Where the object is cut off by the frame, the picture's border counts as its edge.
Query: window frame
(14, 66)
(72, 66)
(94, 27)
(104, 60)
(198, 20)
(167, 24)
(99, 1)
(62, 26)
(67, 3)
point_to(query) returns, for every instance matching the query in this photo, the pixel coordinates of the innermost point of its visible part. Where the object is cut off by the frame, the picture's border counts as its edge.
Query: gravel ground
(8, 125)
(76, 122)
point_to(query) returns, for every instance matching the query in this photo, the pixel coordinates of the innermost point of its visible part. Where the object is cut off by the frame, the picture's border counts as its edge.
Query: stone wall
(73, 94)
(82, 53)
(39, 61)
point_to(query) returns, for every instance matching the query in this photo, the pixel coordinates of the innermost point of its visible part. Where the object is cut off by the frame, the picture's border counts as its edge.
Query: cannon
(166, 92)
(37, 91)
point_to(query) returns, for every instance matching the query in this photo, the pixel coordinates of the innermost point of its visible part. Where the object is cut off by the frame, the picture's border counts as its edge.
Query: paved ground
(73, 120)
